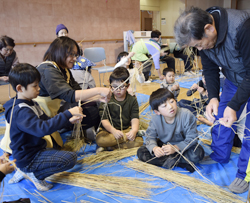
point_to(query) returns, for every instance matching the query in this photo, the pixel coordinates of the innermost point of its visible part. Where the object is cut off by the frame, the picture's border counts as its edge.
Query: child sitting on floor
(197, 106)
(171, 129)
(169, 82)
(120, 118)
(29, 124)
(124, 60)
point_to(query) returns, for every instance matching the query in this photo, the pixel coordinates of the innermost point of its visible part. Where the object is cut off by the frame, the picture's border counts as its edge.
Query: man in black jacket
(222, 37)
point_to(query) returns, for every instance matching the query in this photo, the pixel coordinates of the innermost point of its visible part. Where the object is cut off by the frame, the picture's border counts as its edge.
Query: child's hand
(117, 133)
(161, 77)
(200, 89)
(158, 152)
(77, 115)
(76, 111)
(175, 87)
(168, 149)
(194, 87)
(131, 54)
(76, 119)
(131, 135)
(7, 168)
(4, 78)
(3, 158)
(163, 54)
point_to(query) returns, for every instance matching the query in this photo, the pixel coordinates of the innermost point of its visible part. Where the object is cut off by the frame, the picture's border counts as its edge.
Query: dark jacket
(6, 65)
(53, 83)
(29, 124)
(231, 52)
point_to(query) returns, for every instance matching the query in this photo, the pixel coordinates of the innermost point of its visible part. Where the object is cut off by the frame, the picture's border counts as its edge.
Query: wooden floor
(142, 88)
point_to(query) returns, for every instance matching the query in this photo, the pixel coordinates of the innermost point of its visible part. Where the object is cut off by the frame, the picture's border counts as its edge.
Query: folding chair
(97, 54)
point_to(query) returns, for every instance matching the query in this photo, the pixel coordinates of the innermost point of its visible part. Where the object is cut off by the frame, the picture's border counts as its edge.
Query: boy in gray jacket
(173, 125)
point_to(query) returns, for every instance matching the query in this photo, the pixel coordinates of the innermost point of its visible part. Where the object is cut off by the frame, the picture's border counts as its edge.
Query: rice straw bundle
(108, 157)
(234, 149)
(129, 186)
(144, 123)
(73, 146)
(143, 107)
(211, 192)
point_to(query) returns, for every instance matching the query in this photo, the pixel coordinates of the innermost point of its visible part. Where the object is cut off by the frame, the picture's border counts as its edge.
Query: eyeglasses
(122, 87)
(73, 55)
(8, 49)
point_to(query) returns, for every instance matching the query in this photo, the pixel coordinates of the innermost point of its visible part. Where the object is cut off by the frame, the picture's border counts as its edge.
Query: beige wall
(150, 5)
(170, 10)
(204, 4)
(36, 20)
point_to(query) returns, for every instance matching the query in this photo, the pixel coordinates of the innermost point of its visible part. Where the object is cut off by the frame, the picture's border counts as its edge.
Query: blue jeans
(223, 137)
(50, 161)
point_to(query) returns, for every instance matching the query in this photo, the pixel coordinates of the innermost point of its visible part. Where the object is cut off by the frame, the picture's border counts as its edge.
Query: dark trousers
(193, 156)
(146, 69)
(169, 60)
(184, 57)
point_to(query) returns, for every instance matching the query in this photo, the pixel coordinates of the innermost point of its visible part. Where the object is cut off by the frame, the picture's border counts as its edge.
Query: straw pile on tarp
(130, 186)
(108, 157)
(144, 119)
(211, 192)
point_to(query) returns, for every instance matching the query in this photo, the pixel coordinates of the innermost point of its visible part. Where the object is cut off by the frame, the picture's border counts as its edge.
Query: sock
(186, 166)
(18, 176)
(39, 184)
(239, 186)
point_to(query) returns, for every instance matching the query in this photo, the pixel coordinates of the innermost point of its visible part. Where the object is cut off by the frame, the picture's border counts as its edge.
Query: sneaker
(239, 186)
(141, 133)
(147, 82)
(99, 149)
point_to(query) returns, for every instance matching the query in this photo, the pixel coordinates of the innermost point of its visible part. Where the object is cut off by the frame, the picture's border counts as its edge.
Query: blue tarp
(219, 174)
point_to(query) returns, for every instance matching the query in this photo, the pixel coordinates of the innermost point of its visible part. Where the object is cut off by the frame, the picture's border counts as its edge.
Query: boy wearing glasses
(120, 118)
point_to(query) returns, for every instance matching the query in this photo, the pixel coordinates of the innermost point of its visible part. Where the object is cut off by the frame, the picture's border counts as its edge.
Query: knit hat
(60, 27)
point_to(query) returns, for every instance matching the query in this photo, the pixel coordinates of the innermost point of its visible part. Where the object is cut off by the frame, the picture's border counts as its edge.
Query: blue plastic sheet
(219, 174)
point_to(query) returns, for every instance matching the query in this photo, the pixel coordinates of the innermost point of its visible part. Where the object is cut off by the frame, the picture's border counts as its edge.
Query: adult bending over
(222, 37)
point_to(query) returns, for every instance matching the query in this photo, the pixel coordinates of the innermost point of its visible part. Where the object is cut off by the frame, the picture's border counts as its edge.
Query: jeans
(50, 161)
